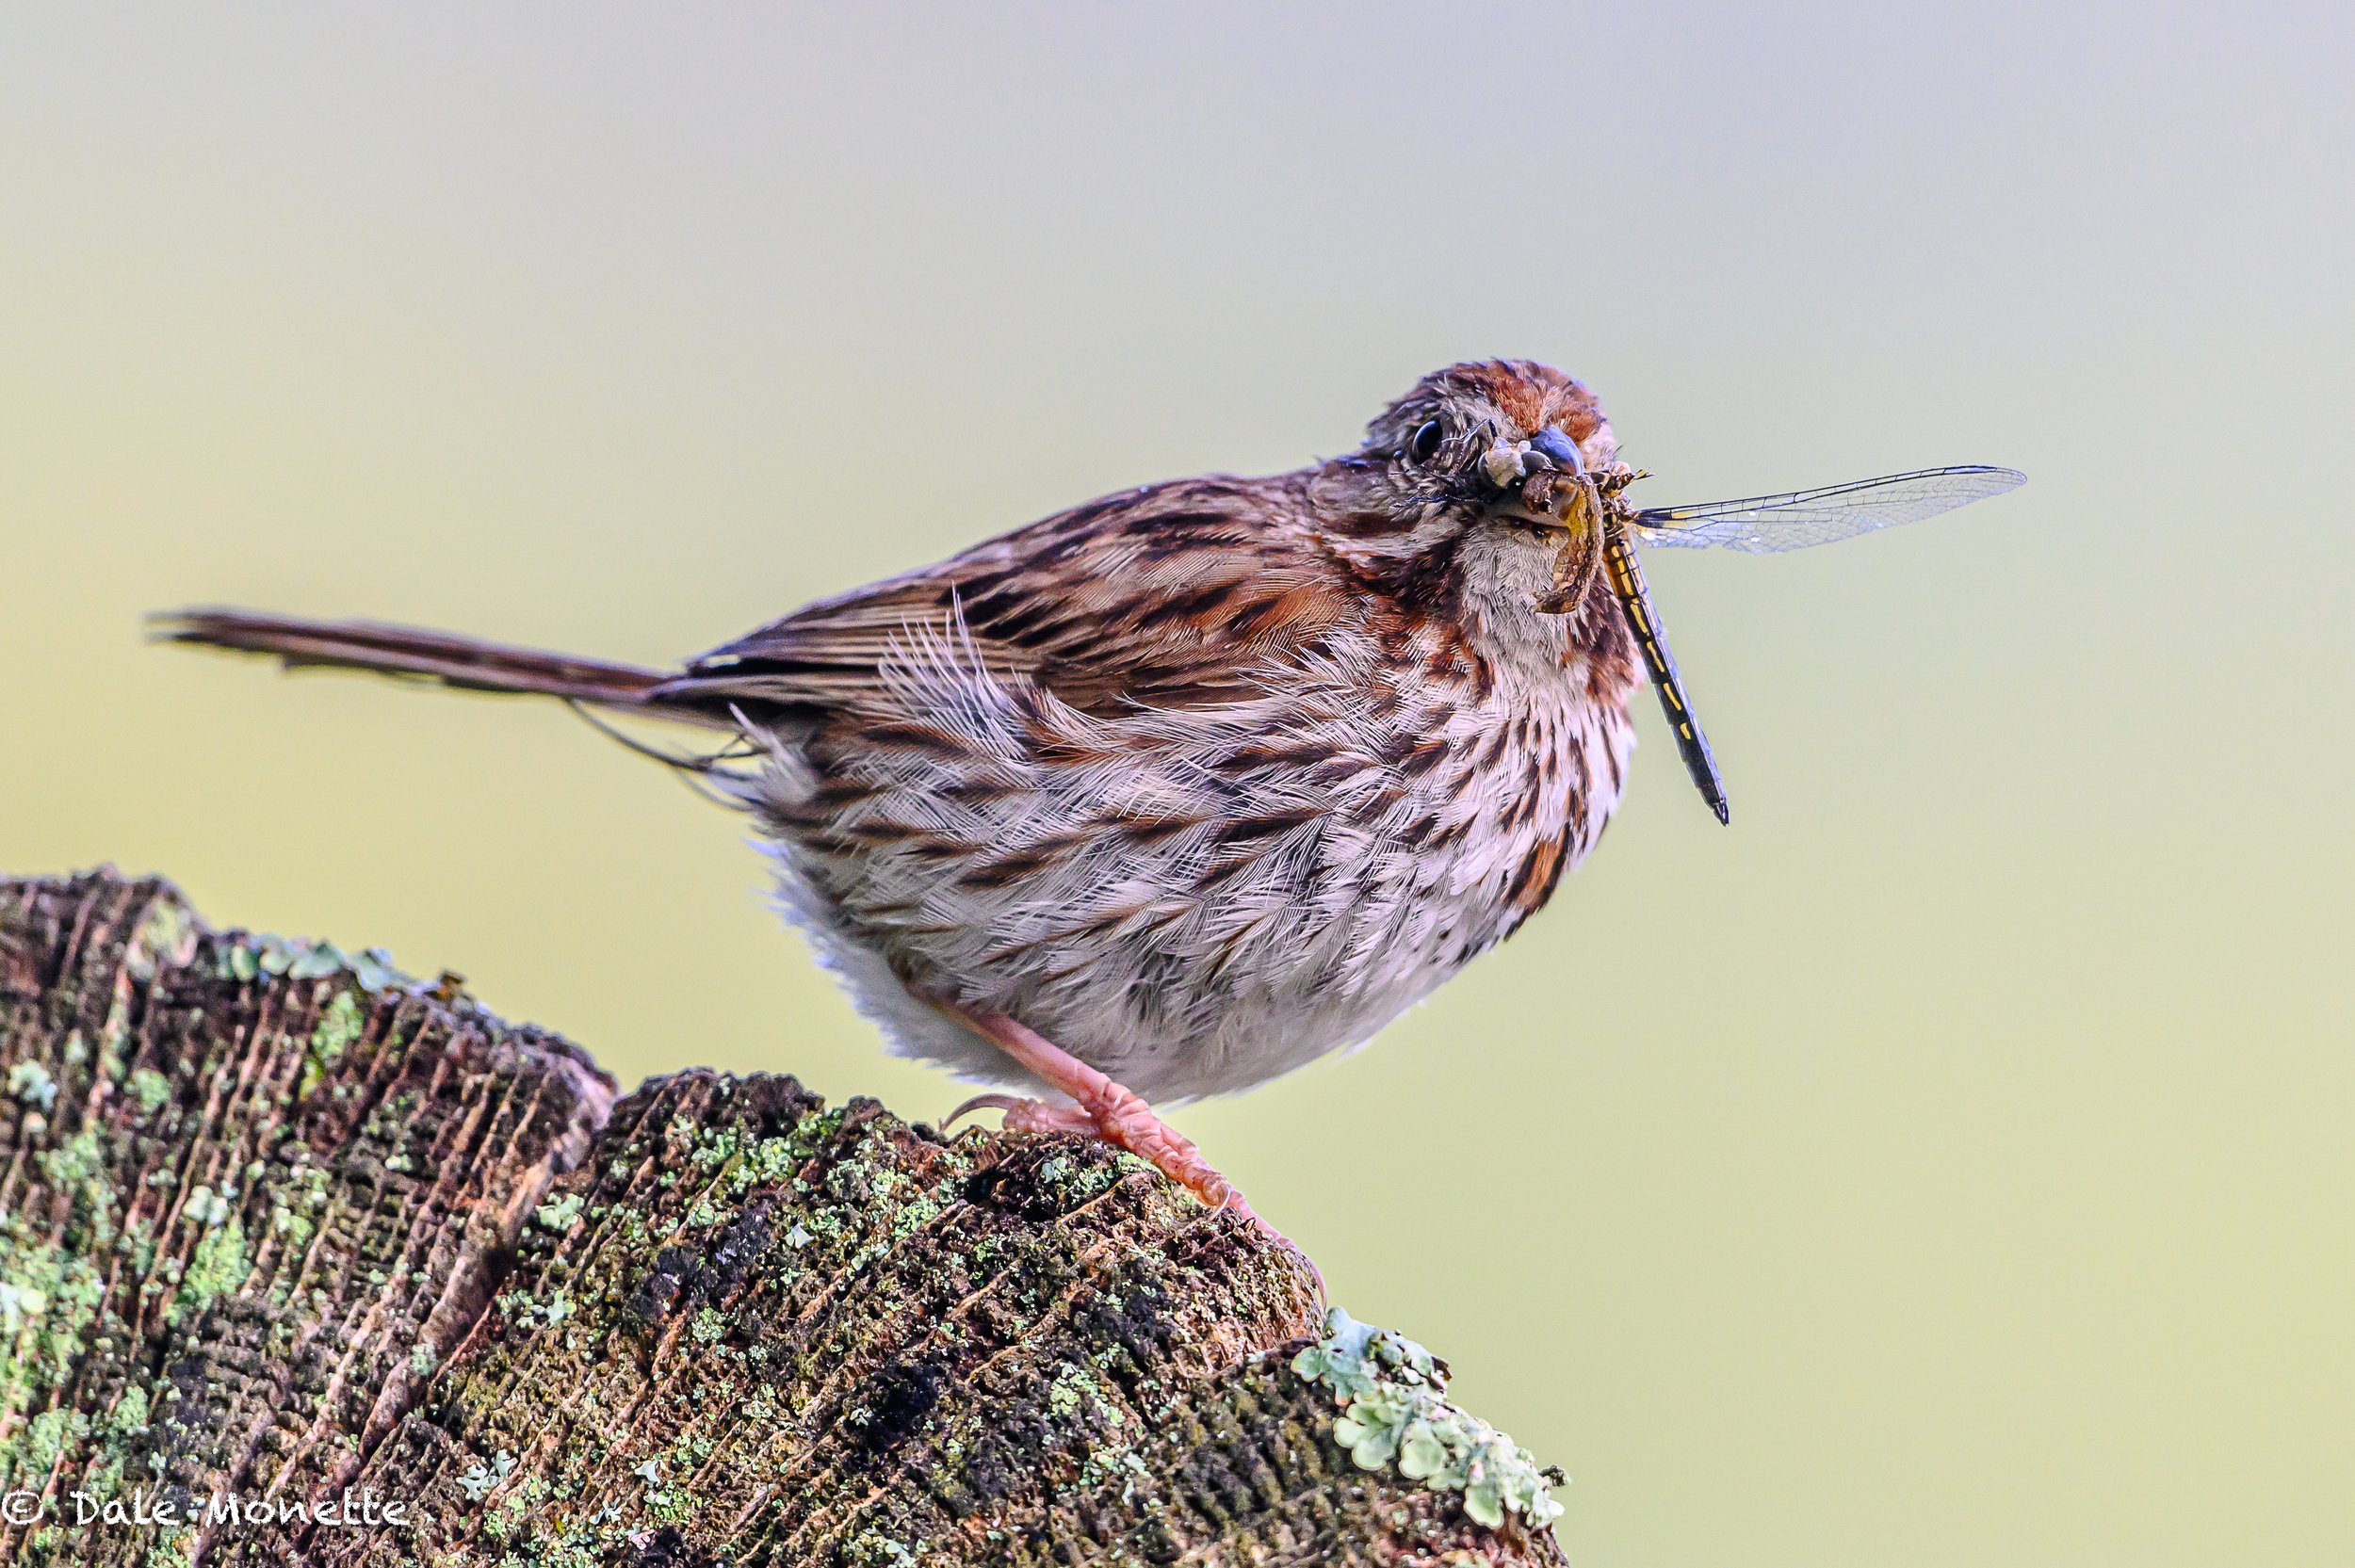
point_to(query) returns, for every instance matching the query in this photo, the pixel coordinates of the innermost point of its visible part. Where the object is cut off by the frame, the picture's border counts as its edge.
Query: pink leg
(1107, 1112)
(1105, 1109)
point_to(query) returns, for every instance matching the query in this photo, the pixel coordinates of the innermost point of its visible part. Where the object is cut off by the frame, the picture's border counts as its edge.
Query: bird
(1176, 791)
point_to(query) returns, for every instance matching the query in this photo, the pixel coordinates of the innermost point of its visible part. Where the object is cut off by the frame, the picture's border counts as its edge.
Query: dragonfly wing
(1764, 524)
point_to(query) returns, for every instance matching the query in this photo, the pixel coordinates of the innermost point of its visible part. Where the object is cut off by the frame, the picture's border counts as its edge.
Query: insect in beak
(1627, 584)
(1598, 544)
(1755, 525)
(1559, 490)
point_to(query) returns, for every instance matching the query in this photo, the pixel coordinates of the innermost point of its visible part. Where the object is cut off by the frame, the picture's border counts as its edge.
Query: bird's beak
(1543, 477)
(1559, 451)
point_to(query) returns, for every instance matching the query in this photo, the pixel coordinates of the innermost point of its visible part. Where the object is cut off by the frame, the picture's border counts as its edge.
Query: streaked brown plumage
(1185, 787)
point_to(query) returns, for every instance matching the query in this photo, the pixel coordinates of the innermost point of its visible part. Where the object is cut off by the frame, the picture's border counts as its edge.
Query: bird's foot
(1102, 1108)
(1026, 1115)
(1120, 1119)
(1127, 1123)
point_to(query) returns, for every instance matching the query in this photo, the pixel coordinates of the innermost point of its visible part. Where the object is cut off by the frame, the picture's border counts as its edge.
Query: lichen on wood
(280, 1225)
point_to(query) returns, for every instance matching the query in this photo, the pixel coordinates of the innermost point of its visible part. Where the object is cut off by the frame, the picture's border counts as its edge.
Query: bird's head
(1438, 505)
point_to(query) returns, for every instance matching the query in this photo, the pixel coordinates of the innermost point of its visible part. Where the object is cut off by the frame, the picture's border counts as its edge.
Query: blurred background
(1950, 1163)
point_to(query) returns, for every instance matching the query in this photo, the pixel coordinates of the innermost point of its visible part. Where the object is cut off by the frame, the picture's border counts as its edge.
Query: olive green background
(1950, 1163)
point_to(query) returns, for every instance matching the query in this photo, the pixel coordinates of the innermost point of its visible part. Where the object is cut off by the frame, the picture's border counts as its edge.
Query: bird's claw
(1026, 1115)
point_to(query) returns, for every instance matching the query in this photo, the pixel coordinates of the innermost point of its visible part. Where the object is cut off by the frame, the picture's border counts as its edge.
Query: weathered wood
(280, 1226)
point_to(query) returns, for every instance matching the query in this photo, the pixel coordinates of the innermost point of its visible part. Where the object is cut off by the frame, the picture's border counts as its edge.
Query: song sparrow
(1173, 792)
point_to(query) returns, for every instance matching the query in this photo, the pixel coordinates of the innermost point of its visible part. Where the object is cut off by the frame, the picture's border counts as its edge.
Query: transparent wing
(1762, 525)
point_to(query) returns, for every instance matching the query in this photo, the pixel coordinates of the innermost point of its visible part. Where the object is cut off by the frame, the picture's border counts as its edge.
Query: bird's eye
(1425, 441)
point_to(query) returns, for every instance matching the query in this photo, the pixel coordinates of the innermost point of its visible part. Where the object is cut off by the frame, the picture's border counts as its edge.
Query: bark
(281, 1227)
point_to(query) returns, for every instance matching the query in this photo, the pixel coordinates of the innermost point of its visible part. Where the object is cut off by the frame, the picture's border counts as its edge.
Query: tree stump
(303, 1260)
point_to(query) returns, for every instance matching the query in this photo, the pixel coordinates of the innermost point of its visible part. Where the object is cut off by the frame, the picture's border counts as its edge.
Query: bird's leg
(1105, 1109)
(1107, 1112)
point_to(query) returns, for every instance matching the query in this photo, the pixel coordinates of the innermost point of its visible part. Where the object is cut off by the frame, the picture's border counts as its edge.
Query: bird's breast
(1526, 764)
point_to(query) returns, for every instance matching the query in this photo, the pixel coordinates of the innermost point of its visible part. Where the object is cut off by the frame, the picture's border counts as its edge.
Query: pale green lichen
(1076, 1180)
(30, 1082)
(49, 1295)
(47, 1436)
(165, 933)
(74, 1166)
(519, 1308)
(218, 1266)
(247, 958)
(150, 1088)
(561, 1215)
(130, 1411)
(873, 1549)
(480, 1478)
(1393, 1409)
(19, 1305)
(914, 1216)
(766, 1161)
(337, 1029)
(1070, 1390)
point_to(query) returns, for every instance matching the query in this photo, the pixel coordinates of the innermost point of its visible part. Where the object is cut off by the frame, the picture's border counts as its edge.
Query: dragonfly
(1755, 525)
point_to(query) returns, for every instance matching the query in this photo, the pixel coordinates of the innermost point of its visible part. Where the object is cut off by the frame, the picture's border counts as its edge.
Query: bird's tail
(457, 661)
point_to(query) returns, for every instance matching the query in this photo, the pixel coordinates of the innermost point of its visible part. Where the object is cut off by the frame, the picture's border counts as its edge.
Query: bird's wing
(1762, 525)
(1164, 596)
